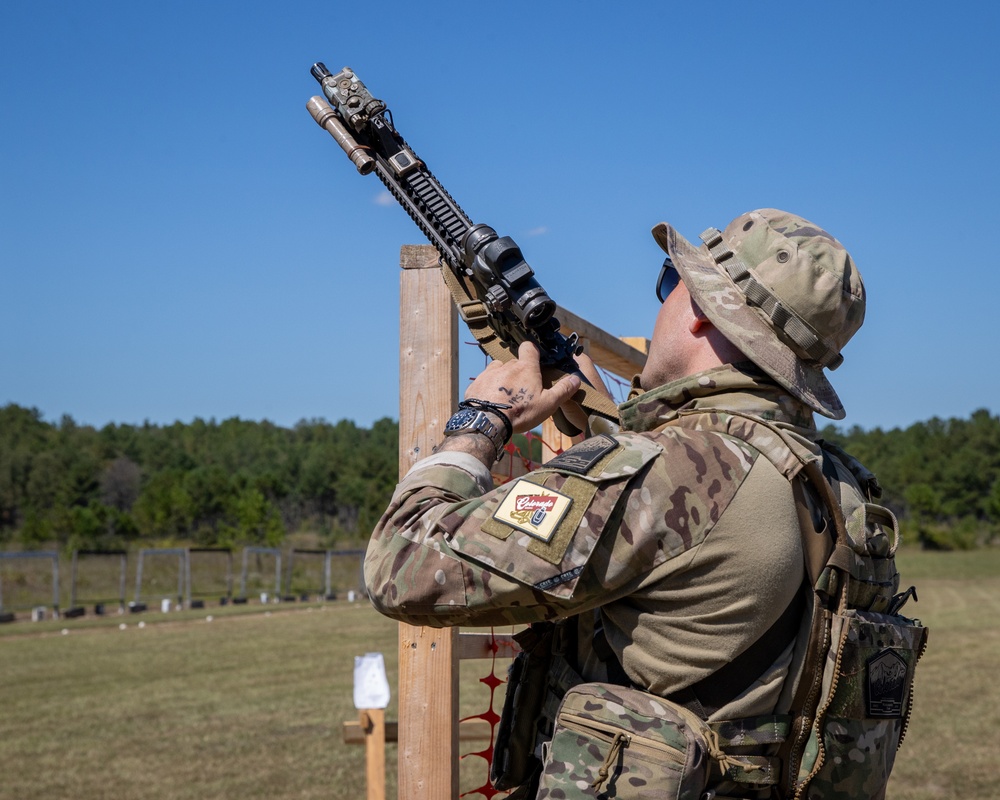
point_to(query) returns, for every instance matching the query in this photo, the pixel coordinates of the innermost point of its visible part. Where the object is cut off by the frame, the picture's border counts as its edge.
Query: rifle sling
(474, 314)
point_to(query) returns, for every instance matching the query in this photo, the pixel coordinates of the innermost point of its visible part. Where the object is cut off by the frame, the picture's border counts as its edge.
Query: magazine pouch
(615, 742)
(538, 679)
(869, 682)
(514, 761)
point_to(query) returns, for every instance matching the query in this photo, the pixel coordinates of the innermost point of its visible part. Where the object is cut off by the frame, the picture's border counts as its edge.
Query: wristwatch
(473, 420)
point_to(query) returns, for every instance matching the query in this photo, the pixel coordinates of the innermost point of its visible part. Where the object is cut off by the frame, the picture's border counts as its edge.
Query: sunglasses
(668, 280)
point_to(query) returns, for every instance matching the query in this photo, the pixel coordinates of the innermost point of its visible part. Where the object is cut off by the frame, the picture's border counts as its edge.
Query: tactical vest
(850, 699)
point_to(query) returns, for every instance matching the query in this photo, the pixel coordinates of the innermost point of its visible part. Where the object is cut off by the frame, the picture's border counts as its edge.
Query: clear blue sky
(178, 238)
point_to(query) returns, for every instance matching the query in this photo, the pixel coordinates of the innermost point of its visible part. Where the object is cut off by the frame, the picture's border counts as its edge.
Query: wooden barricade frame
(428, 729)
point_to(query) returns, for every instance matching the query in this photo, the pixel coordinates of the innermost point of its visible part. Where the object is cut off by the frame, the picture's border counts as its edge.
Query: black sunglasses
(668, 280)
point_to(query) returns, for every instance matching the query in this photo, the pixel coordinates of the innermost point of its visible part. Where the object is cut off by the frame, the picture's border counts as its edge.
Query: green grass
(915, 564)
(251, 705)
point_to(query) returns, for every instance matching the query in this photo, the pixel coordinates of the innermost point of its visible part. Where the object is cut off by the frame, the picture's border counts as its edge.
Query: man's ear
(699, 324)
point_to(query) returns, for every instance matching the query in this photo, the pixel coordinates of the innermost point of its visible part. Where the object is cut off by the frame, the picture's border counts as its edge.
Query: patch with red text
(533, 509)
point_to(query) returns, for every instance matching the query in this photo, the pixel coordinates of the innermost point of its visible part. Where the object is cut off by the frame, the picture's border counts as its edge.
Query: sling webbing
(474, 314)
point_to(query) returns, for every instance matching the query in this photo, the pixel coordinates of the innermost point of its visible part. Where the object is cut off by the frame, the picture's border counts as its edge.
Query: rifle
(495, 289)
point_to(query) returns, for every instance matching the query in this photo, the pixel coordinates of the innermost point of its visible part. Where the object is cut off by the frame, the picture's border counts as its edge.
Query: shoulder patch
(533, 509)
(582, 457)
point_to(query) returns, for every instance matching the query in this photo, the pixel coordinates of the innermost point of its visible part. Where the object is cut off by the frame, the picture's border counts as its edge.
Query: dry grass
(251, 705)
(952, 749)
(245, 706)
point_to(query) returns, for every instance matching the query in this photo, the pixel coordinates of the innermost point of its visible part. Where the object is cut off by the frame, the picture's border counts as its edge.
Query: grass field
(251, 704)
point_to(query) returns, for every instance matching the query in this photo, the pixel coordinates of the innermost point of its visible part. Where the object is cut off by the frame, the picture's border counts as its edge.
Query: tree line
(241, 482)
(941, 477)
(209, 483)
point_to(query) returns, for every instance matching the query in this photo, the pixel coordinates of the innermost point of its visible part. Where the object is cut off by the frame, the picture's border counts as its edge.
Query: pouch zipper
(607, 732)
(909, 700)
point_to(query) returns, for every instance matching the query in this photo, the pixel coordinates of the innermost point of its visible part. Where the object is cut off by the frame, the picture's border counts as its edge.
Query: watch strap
(479, 422)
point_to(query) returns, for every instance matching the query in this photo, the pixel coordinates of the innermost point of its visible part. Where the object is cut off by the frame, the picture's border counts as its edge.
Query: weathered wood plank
(428, 661)
(468, 730)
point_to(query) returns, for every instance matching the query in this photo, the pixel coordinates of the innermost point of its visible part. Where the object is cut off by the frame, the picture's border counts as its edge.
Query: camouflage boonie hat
(782, 290)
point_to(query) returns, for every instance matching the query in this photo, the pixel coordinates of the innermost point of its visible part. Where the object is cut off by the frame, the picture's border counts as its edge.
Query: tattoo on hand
(517, 395)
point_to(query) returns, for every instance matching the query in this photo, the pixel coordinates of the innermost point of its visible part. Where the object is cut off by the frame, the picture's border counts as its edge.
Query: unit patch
(886, 684)
(580, 458)
(533, 509)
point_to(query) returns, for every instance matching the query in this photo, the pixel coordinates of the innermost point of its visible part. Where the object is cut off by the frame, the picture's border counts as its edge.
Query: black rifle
(489, 268)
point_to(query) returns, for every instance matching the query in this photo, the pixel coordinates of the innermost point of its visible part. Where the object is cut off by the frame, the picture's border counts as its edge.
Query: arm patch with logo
(542, 528)
(533, 509)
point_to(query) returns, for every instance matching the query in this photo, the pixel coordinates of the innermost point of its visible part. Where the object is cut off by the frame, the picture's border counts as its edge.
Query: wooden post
(372, 721)
(428, 657)
(428, 728)
(555, 441)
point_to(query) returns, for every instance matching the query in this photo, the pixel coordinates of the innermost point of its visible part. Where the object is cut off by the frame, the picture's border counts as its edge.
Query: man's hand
(518, 384)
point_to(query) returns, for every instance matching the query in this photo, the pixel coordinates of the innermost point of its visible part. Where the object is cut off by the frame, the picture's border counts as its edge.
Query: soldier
(675, 543)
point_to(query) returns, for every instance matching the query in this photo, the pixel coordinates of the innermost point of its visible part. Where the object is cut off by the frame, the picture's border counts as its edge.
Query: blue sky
(178, 239)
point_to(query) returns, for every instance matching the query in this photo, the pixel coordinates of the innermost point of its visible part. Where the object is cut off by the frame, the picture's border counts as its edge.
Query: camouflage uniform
(682, 535)
(686, 540)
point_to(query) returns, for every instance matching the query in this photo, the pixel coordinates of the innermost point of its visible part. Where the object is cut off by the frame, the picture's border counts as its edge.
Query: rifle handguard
(494, 287)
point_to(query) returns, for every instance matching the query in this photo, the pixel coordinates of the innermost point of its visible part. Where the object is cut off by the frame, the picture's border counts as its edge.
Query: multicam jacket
(685, 540)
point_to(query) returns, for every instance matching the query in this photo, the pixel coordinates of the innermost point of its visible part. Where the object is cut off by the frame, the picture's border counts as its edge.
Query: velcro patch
(581, 458)
(533, 509)
(886, 684)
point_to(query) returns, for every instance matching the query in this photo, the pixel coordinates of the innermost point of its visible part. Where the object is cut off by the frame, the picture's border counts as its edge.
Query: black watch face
(460, 419)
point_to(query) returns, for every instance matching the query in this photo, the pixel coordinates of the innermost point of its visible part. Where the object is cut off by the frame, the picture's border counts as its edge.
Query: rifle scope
(497, 263)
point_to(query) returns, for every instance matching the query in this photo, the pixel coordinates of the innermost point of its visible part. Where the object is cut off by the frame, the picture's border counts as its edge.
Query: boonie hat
(782, 290)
